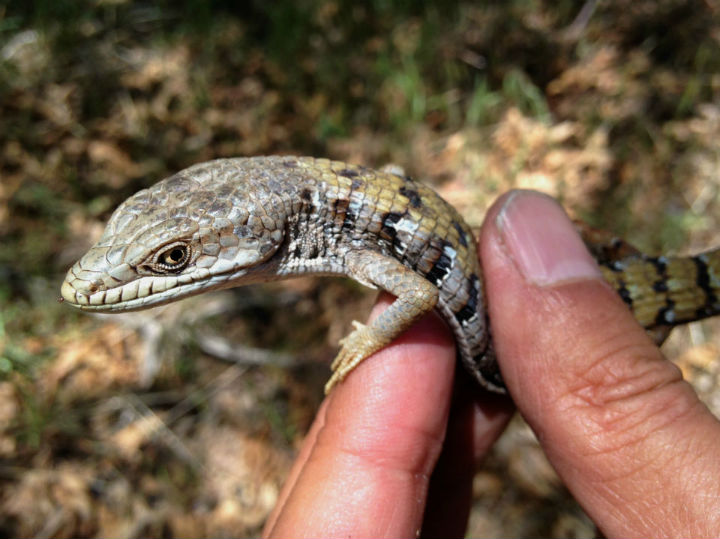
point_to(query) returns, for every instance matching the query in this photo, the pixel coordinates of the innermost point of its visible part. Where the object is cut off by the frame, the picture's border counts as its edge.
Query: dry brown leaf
(89, 365)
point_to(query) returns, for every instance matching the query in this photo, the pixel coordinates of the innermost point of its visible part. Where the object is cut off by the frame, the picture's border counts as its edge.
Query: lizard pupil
(173, 258)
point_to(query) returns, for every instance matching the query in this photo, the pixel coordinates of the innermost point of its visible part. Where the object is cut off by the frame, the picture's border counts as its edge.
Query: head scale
(205, 227)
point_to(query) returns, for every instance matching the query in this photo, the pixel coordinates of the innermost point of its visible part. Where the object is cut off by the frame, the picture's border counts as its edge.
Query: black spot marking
(441, 267)
(355, 184)
(348, 173)
(470, 309)
(703, 282)
(412, 195)
(705, 311)
(306, 195)
(387, 230)
(340, 207)
(624, 293)
(660, 264)
(666, 315)
(703, 279)
(607, 253)
(343, 214)
(289, 163)
(660, 286)
(461, 233)
(349, 222)
(464, 314)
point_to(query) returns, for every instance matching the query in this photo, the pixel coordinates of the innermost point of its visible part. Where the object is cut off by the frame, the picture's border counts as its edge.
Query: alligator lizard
(232, 222)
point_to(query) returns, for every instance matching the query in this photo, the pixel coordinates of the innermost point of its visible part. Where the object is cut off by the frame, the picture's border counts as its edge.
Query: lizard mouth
(145, 291)
(128, 297)
(140, 293)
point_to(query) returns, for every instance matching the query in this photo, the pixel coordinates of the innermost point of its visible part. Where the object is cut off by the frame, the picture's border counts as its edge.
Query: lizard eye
(172, 258)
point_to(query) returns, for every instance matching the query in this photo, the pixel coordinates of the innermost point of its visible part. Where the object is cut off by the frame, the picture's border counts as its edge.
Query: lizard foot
(357, 346)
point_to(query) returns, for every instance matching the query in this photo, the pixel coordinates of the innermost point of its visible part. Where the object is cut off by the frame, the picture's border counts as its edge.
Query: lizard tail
(661, 291)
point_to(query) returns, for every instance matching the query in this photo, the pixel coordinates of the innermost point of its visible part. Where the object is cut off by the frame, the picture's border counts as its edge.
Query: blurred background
(183, 421)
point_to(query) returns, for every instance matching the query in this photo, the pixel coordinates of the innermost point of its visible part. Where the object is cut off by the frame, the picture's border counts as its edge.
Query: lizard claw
(354, 348)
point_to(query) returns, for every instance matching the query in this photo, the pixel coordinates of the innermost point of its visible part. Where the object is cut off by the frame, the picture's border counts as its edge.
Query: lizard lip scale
(232, 222)
(141, 293)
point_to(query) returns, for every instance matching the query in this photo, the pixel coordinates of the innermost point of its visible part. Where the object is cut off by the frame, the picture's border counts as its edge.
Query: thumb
(627, 435)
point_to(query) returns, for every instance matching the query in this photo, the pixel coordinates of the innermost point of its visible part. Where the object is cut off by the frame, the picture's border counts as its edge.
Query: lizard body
(232, 222)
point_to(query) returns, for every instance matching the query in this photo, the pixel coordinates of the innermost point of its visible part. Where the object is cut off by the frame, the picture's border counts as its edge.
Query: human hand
(625, 433)
(365, 466)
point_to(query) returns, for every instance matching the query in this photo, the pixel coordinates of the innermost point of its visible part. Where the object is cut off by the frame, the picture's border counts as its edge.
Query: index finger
(365, 466)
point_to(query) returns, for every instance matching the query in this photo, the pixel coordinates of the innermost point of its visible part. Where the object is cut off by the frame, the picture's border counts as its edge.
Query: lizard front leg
(415, 295)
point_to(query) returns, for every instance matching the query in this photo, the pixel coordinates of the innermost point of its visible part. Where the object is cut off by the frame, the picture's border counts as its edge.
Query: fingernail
(542, 240)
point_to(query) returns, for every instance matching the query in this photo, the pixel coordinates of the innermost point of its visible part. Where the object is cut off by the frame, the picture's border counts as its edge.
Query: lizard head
(201, 229)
